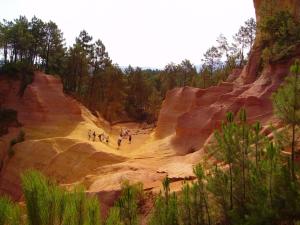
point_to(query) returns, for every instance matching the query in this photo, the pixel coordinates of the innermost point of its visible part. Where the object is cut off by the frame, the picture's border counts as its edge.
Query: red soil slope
(56, 144)
(43, 101)
(192, 114)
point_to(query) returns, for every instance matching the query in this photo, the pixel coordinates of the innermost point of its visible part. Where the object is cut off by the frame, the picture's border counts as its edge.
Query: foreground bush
(19, 70)
(7, 117)
(48, 204)
(20, 138)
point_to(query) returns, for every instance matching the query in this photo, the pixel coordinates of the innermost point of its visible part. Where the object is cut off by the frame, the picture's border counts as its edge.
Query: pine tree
(226, 142)
(128, 203)
(286, 102)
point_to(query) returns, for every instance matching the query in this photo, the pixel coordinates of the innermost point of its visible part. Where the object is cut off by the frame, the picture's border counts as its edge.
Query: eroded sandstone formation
(193, 120)
(56, 144)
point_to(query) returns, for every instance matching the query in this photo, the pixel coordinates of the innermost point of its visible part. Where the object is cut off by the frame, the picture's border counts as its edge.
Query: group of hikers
(125, 133)
(102, 136)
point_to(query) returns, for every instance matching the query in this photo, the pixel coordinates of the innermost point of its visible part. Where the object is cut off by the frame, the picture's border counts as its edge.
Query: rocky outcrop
(56, 144)
(43, 101)
(202, 110)
(195, 126)
(49, 118)
(177, 102)
(292, 5)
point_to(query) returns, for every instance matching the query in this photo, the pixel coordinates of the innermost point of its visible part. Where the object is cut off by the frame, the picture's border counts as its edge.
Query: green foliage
(165, 210)
(114, 217)
(188, 207)
(4, 208)
(20, 138)
(138, 92)
(93, 209)
(10, 213)
(252, 185)
(193, 201)
(286, 102)
(112, 94)
(128, 204)
(31, 43)
(279, 35)
(7, 117)
(212, 59)
(48, 204)
(245, 38)
(22, 71)
(248, 191)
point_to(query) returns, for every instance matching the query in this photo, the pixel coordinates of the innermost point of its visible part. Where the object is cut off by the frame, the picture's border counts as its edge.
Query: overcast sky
(147, 33)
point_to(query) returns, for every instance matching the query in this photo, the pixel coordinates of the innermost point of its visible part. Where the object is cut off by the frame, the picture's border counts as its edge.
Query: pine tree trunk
(231, 191)
(47, 58)
(294, 129)
(270, 184)
(5, 53)
(206, 206)
(293, 151)
(256, 151)
(243, 165)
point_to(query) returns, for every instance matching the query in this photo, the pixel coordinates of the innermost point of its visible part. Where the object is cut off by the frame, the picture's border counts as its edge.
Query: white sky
(146, 33)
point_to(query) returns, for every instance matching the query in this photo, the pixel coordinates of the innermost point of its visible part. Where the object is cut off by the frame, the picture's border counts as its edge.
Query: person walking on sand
(107, 139)
(90, 134)
(129, 138)
(122, 132)
(100, 137)
(94, 135)
(119, 141)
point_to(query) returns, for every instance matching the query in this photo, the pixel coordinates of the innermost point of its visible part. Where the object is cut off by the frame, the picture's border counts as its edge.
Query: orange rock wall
(201, 111)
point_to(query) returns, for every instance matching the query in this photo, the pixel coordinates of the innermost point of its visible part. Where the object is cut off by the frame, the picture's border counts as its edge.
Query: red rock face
(191, 115)
(43, 101)
(177, 102)
(207, 108)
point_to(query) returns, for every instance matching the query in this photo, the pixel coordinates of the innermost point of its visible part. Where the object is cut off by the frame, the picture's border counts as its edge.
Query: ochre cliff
(56, 143)
(192, 114)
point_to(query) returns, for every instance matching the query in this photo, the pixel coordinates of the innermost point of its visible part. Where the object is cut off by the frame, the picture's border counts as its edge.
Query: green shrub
(165, 210)
(114, 217)
(129, 201)
(13, 142)
(20, 138)
(7, 117)
(22, 71)
(93, 209)
(279, 34)
(10, 151)
(48, 204)
(10, 213)
(4, 207)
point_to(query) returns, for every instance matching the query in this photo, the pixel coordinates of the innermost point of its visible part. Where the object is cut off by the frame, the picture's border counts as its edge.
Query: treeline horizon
(88, 73)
